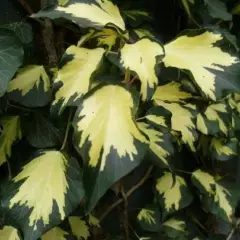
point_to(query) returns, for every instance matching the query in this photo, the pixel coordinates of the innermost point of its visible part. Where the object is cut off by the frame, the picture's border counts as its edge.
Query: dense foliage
(115, 128)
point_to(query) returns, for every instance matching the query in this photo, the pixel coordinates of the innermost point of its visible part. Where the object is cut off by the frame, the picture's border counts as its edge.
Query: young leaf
(149, 218)
(30, 87)
(214, 120)
(160, 144)
(218, 9)
(109, 151)
(11, 132)
(78, 65)
(215, 197)
(11, 57)
(79, 228)
(47, 189)
(215, 70)
(224, 149)
(9, 233)
(183, 117)
(55, 233)
(174, 228)
(172, 192)
(147, 55)
(171, 92)
(86, 13)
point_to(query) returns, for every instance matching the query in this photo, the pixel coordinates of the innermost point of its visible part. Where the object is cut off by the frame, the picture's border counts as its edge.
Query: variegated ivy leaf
(109, 151)
(11, 57)
(55, 233)
(174, 228)
(215, 70)
(224, 149)
(78, 65)
(172, 192)
(47, 189)
(107, 37)
(149, 218)
(170, 92)
(9, 233)
(147, 55)
(215, 120)
(183, 120)
(159, 117)
(79, 228)
(215, 197)
(161, 147)
(30, 87)
(11, 133)
(86, 13)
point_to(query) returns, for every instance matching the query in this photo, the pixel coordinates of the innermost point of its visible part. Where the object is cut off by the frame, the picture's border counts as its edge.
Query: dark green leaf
(41, 132)
(11, 57)
(22, 30)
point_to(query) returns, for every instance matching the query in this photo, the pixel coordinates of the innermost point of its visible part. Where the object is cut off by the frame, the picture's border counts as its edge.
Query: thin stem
(230, 234)
(135, 233)
(178, 170)
(67, 130)
(9, 170)
(141, 118)
(129, 193)
(26, 6)
(125, 214)
(21, 108)
(233, 230)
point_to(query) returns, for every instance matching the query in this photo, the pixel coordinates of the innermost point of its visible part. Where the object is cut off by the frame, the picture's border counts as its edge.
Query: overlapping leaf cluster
(110, 89)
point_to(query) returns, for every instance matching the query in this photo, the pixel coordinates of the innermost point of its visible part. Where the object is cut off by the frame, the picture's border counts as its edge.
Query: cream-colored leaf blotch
(96, 13)
(9, 233)
(171, 190)
(29, 77)
(63, 2)
(212, 116)
(79, 228)
(146, 215)
(105, 37)
(156, 140)
(55, 234)
(224, 149)
(76, 74)
(214, 190)
(170, 92)
(98, 121)
(45, 176)
(142, 58)
(183, 121)
(177, 225)
(11, 132)
(203, 58)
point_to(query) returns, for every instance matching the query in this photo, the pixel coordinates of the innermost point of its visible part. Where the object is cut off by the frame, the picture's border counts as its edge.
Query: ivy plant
(113, 99)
